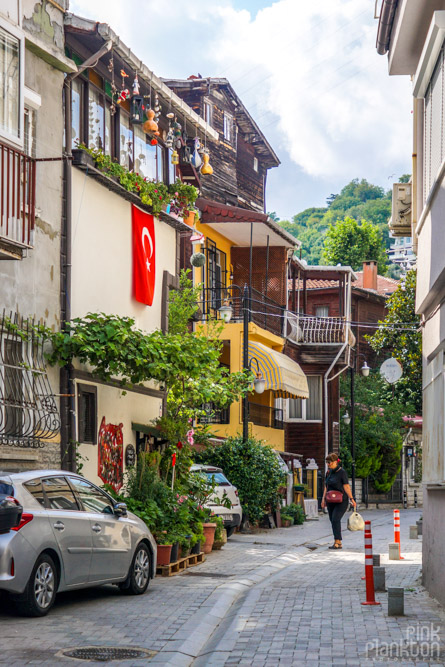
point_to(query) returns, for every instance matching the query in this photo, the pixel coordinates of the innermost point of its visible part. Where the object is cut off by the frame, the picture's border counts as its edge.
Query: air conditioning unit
(400, 221)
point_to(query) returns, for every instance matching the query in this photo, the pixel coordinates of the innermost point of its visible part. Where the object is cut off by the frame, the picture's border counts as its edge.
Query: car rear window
(59, 494)
(34, 487)
(6, 489)
(218, 478)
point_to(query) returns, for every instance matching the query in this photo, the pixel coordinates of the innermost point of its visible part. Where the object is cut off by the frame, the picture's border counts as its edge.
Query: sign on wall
(144, 256)
(110, 467)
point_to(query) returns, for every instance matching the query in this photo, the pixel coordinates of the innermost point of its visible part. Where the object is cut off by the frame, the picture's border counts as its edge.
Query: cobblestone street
(274, 598)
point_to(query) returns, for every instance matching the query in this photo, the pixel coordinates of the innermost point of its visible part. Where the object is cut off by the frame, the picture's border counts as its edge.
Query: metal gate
(394, 495)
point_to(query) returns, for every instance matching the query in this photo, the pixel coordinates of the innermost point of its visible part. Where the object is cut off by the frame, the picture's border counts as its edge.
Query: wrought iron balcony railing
(307, 330)
(17, 202)
(262, 415)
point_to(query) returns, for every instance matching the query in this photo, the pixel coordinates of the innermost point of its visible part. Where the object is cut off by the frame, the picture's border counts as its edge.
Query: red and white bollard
(367, 531)
(369, 569)
(397, 530)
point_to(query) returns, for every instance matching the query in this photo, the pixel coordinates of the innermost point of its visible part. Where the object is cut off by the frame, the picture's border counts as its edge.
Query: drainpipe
(326, 377)
(68, 411)
(385, 26)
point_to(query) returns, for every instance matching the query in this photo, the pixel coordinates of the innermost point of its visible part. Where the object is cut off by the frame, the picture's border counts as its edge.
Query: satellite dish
(391, 371)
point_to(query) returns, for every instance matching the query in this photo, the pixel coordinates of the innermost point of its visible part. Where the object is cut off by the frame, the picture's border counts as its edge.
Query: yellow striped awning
(283, 375)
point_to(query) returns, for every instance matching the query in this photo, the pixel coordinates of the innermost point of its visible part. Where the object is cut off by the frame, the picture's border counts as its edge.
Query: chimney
(370, 275)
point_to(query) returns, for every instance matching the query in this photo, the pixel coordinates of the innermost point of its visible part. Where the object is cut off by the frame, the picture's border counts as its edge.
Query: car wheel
(40, 591)
(230, 531)
(139, 575)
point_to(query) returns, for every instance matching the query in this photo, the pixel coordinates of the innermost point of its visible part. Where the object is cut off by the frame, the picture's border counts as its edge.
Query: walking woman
(337, 503)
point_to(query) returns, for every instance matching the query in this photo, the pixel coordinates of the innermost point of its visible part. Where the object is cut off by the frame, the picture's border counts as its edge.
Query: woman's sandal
(336, 547)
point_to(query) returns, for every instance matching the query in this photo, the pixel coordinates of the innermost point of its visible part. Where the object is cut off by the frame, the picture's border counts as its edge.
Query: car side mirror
(120, 509)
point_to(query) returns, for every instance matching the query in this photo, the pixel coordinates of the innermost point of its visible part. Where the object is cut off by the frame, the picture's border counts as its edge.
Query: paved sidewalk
(265, 599)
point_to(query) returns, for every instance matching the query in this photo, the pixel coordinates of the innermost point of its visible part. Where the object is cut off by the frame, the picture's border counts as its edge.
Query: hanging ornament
(175, 157)
(123, 96)
(153, 142)
(177, 129)
(196, 158)
(198, 259)
(170, 115)
(150, 125)
(157, 108)
(169, 138)
(137, 104)
(206, 168)
(113, 86)
(124, 75)
(185, 155)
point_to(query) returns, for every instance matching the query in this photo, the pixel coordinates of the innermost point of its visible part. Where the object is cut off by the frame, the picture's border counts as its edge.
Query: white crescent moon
(146, 233)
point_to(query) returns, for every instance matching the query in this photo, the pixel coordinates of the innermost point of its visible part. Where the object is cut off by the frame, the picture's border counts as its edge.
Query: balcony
(308, 330)
(262, 415)
(17, 202)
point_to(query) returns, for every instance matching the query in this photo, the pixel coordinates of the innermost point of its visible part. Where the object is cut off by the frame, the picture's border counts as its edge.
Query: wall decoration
(137, 104)
(196, 158)
(110, 467)
(130, 456)
(206, 167)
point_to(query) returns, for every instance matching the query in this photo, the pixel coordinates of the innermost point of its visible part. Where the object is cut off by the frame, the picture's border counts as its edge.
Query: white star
(148, 265)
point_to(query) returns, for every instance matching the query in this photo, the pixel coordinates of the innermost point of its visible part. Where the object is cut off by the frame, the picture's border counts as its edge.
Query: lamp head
(259, 384)
(346, 418)
(225, 312)
(365, 370)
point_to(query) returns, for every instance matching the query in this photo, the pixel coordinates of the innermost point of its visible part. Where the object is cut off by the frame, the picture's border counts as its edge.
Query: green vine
(180, 196)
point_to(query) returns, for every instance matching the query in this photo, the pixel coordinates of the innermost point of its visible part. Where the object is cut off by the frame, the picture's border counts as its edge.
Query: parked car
(71, 535)
(231, 516)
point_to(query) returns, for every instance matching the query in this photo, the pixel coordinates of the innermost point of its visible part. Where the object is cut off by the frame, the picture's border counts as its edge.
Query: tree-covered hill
(358, 199)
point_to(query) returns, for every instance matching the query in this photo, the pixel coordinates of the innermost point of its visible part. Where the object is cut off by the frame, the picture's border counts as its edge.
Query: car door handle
(96, 528)
(59, 525)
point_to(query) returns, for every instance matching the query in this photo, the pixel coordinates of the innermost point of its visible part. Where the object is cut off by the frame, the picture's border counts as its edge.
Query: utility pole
(246, 318)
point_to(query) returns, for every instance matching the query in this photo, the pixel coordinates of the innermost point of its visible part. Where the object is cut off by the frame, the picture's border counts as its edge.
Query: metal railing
(17, 197)
(214, 415)
(307, 330)
(262, 415)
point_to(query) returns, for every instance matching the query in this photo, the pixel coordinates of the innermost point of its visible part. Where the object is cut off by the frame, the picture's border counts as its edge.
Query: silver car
(71, 535)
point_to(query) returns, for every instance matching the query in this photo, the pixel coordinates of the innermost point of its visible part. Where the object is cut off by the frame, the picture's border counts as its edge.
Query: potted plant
(164, 548)
(197, 539)
(209, 536)
(220, 534)
(286, 520)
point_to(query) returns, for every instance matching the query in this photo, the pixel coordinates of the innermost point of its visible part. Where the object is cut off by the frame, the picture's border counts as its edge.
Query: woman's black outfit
(335, 481)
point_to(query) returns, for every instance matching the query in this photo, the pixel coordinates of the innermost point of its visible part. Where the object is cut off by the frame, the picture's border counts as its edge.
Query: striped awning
(283, 375)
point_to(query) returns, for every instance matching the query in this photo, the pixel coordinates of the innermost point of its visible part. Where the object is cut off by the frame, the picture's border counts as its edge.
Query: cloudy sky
(307, 70)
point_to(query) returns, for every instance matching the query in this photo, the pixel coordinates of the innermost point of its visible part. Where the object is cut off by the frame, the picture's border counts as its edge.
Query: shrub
(253, 467)
(296, 512)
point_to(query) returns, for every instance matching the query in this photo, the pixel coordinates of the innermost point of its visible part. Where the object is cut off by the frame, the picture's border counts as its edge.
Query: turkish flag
(144, 256)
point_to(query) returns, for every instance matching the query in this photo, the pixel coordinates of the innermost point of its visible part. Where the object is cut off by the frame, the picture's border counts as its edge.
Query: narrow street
(274, 598)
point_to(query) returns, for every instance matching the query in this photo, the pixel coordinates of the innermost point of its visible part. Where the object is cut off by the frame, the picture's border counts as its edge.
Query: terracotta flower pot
(164, 553)
(209, 536)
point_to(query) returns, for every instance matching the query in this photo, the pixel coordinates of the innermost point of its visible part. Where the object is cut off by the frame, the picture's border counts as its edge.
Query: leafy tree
(351, 243)
(253, 467)
(378, 432)
(405, 178)
(401, 336)
(273, 216)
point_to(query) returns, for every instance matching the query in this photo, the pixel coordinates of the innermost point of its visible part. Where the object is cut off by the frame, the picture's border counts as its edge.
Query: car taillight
(26, 518)
(12, 568)
(12, 500)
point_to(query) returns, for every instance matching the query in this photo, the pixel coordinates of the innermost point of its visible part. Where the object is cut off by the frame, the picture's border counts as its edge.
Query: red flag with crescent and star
(144, 256)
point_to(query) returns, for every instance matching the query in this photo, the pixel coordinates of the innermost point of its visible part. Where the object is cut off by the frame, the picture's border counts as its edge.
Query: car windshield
(217, 477)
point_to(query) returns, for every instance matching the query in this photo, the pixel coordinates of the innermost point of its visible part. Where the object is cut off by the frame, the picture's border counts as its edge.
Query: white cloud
(308, 72)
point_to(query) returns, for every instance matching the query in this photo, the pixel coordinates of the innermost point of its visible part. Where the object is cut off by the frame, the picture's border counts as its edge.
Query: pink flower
(190, 435)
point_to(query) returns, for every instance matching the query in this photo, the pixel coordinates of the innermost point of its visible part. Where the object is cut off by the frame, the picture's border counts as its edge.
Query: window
(92, 499)
(434, 125)
(255, 164)
(87, 413)
(208, 112)
(216, 274)
(171, 169)
(76, 112)
(11, 84)
(125, 141)
(96, 119)
(321, 311)
(35, 489)
(228, 126)
(145, 156)
(309, 409)
(59, 494)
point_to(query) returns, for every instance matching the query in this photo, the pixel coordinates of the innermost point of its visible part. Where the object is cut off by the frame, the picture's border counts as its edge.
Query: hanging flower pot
(198, 259)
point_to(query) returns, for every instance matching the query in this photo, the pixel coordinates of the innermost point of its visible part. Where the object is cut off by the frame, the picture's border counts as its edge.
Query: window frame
(283, 403)
(255, 164)
(20, 36)
(207, 111)
(87, 389)
(228, 127)
(321, 305)
(47, 501)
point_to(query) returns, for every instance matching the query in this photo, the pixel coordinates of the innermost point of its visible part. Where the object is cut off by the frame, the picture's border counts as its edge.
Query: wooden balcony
(309, 330)
(17, 202)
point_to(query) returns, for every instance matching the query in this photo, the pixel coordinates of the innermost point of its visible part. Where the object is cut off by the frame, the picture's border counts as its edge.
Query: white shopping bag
(356, 522)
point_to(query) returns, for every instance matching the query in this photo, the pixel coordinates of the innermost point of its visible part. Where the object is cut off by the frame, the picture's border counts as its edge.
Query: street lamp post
(351, 419)
(246, 317)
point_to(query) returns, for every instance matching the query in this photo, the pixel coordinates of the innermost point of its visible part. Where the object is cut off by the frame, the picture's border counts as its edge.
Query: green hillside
(358, 199)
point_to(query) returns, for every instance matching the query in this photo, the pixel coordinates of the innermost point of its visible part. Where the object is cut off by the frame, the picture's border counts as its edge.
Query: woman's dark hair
(332, 457)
